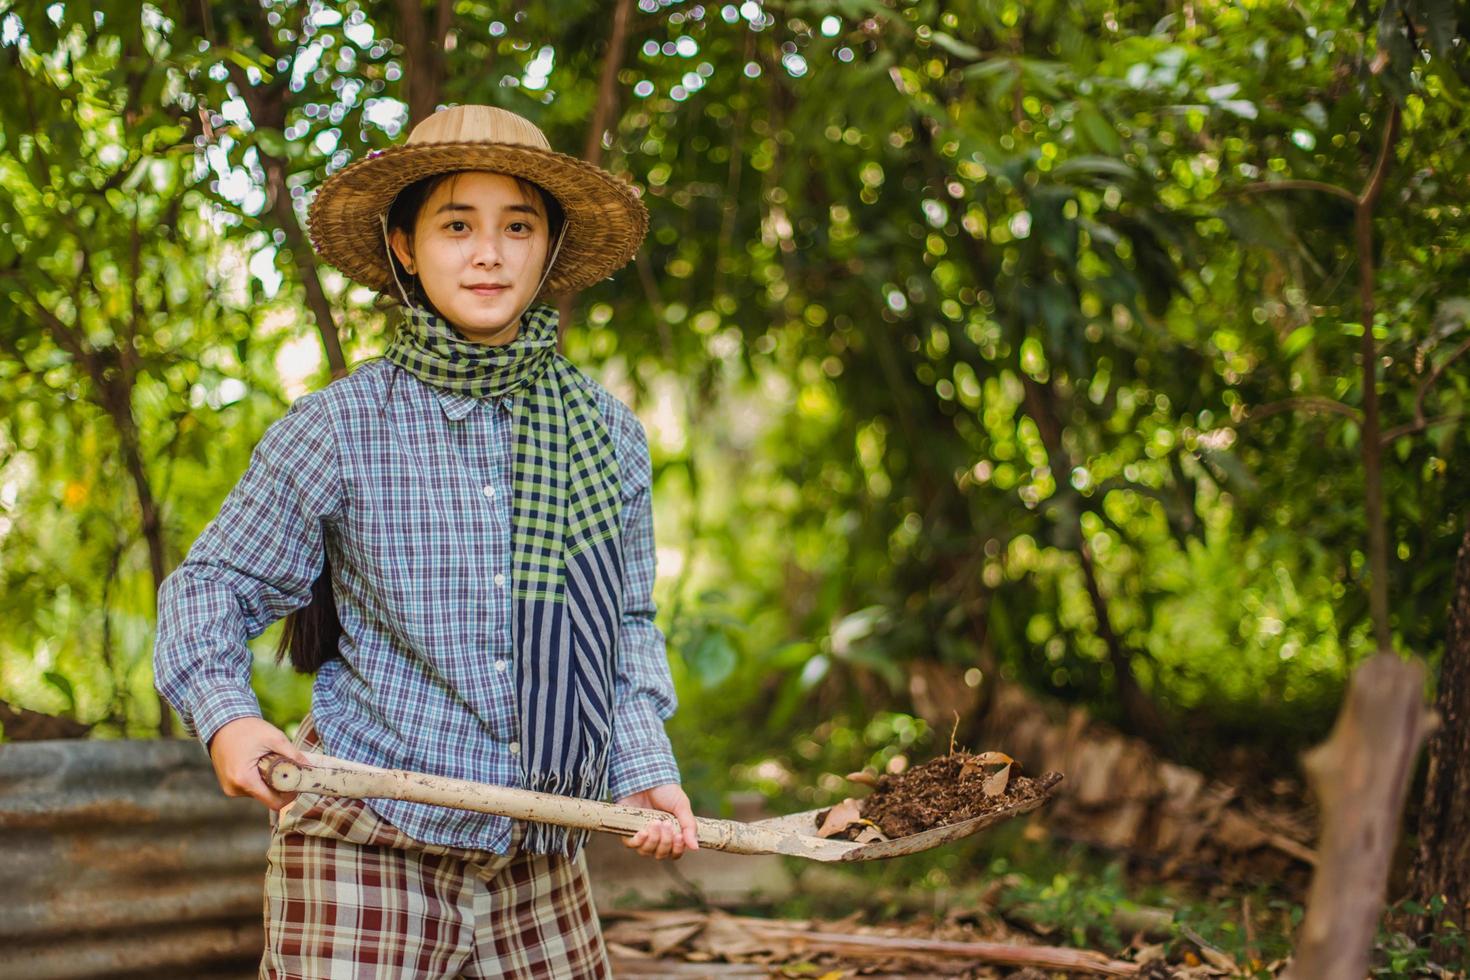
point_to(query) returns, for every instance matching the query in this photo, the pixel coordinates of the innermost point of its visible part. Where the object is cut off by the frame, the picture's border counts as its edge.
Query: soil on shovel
(942, 791)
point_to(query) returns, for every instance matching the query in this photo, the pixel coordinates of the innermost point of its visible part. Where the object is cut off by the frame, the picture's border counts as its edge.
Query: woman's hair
(310, 635)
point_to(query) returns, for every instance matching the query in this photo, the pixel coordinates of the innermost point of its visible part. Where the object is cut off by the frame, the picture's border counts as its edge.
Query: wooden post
(1360, 775)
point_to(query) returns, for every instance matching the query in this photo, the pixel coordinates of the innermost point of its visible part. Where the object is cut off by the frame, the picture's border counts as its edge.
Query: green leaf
(1094, 166)
(272, 141)
(245, 61)
(712, 659)
(1297, 340)
(60, 683)
(1097, 130)
(956, 47)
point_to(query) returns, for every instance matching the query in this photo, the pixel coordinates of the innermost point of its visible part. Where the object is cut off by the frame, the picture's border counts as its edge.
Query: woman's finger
(653, 839)
(688, 825)
(665, 841)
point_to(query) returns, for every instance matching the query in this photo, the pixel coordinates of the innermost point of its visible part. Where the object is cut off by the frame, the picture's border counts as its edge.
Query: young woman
(461, 532)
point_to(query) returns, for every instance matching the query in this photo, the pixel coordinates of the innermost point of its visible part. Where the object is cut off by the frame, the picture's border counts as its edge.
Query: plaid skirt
(348, 895)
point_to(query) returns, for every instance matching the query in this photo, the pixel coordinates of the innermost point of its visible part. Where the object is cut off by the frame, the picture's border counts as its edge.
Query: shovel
(793, 835)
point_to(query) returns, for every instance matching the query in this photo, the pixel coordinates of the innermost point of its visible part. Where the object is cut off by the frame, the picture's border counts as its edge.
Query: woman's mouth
(487, 290)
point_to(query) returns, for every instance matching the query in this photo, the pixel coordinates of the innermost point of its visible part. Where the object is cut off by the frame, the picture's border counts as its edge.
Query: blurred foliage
(966, 332)
(1442, 951)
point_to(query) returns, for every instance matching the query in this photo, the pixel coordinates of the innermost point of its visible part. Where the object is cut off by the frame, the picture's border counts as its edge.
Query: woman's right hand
(237, 748)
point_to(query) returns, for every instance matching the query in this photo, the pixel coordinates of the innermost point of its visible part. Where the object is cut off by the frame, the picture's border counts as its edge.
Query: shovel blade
(804, 824)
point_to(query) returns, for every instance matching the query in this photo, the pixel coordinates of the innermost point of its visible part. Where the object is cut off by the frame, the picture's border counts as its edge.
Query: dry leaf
(1217, 958)
(977, 763)
(628, 952)
(660, 941)
(864, 778)
(733, 939)
(870, 834)
(840, 817)
(1148, 954)
(996, 784)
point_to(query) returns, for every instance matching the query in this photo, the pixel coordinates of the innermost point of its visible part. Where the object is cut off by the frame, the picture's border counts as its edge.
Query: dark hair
(311, 634)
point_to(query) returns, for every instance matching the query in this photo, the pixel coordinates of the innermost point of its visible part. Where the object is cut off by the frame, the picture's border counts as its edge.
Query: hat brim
(605, 219)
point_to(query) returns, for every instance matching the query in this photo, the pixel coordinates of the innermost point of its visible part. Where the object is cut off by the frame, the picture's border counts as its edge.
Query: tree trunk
(423, 46)
(117, 398)
(268, 105)
(1442, 866)
(603, 114)
(304, 255)
(1360, 775)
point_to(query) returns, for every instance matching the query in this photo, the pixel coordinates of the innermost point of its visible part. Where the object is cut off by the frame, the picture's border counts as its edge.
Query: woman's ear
(402, 248)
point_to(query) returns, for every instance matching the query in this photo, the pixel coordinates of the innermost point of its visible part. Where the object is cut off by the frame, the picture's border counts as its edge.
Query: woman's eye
(452, 224)
(520, 225)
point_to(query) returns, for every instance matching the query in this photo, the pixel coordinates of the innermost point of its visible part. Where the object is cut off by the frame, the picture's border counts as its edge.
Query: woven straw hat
(605, 219)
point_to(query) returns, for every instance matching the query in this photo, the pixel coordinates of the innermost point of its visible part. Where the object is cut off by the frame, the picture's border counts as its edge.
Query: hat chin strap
(561, 236)
(392, 265)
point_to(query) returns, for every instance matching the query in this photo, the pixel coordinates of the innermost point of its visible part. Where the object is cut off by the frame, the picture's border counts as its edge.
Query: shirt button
(500, 666)
(489, 490)
(499, 579)
(515, 748)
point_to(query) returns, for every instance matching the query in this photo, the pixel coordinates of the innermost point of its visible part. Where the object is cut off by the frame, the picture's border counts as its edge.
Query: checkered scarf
(566, 549)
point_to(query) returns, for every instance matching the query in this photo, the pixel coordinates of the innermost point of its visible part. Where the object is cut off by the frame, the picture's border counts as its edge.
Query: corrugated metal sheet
(124, 858)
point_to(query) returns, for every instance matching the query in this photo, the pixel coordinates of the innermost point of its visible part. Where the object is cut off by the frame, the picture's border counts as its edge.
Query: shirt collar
(457, 405)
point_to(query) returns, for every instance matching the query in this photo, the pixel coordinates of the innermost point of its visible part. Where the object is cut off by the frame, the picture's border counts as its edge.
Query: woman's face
(479, 248)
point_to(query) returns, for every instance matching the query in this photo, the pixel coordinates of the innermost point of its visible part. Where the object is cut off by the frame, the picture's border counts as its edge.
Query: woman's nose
(487, 251)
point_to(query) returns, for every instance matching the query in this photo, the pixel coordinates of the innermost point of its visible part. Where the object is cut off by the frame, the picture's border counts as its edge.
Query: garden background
(1105, 355)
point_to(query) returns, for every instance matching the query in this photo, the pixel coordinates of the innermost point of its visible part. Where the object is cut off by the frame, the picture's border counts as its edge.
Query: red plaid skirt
(349, 895)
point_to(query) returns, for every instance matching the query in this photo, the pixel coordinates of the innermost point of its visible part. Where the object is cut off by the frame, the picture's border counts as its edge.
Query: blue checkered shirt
(407, 486)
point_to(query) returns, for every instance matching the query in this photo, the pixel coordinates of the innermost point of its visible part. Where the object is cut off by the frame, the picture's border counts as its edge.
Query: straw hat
(605, 219)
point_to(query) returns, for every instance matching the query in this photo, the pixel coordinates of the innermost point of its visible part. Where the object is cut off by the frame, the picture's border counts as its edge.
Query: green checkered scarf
(566, 556)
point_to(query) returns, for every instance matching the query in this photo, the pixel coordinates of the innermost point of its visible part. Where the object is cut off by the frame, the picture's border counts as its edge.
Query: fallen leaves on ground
(721, 941)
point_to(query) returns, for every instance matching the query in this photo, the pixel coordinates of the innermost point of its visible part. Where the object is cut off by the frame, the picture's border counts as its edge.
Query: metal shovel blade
(793, 835)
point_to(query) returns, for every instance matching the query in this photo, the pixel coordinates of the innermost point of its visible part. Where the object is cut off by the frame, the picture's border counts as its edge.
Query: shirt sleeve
(250, 566)
(641, 756)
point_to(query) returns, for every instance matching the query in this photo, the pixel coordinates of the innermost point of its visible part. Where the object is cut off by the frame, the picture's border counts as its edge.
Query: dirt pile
(947, 790)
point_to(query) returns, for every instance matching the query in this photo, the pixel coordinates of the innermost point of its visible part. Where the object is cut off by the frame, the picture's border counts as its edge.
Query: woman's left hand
(659, 839)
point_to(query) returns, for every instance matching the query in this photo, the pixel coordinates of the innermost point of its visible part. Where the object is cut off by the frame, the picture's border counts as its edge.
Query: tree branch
(1424, 386)
(1262, 186)
(1372, 446)
(1305, 403)
(1374, 187)
(1418, 425)
(607, 83)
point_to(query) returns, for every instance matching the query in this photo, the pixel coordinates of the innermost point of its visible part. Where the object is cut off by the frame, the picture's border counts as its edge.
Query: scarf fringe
(590, 783)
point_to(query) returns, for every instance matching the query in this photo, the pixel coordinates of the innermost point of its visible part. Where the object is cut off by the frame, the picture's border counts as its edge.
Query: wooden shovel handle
(338, 777)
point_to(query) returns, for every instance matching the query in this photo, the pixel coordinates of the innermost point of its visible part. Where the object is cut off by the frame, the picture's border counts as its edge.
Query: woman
(462, 534)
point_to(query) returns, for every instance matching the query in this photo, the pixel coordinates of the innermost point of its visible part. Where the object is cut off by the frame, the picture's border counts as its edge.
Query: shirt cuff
(218, 707)
(642, 759)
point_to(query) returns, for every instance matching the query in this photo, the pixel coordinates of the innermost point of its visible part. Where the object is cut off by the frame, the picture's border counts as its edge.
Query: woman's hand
(236, 749)
(659, 839)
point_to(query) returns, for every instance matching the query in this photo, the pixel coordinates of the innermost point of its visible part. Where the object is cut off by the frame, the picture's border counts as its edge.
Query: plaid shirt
(408, 487)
